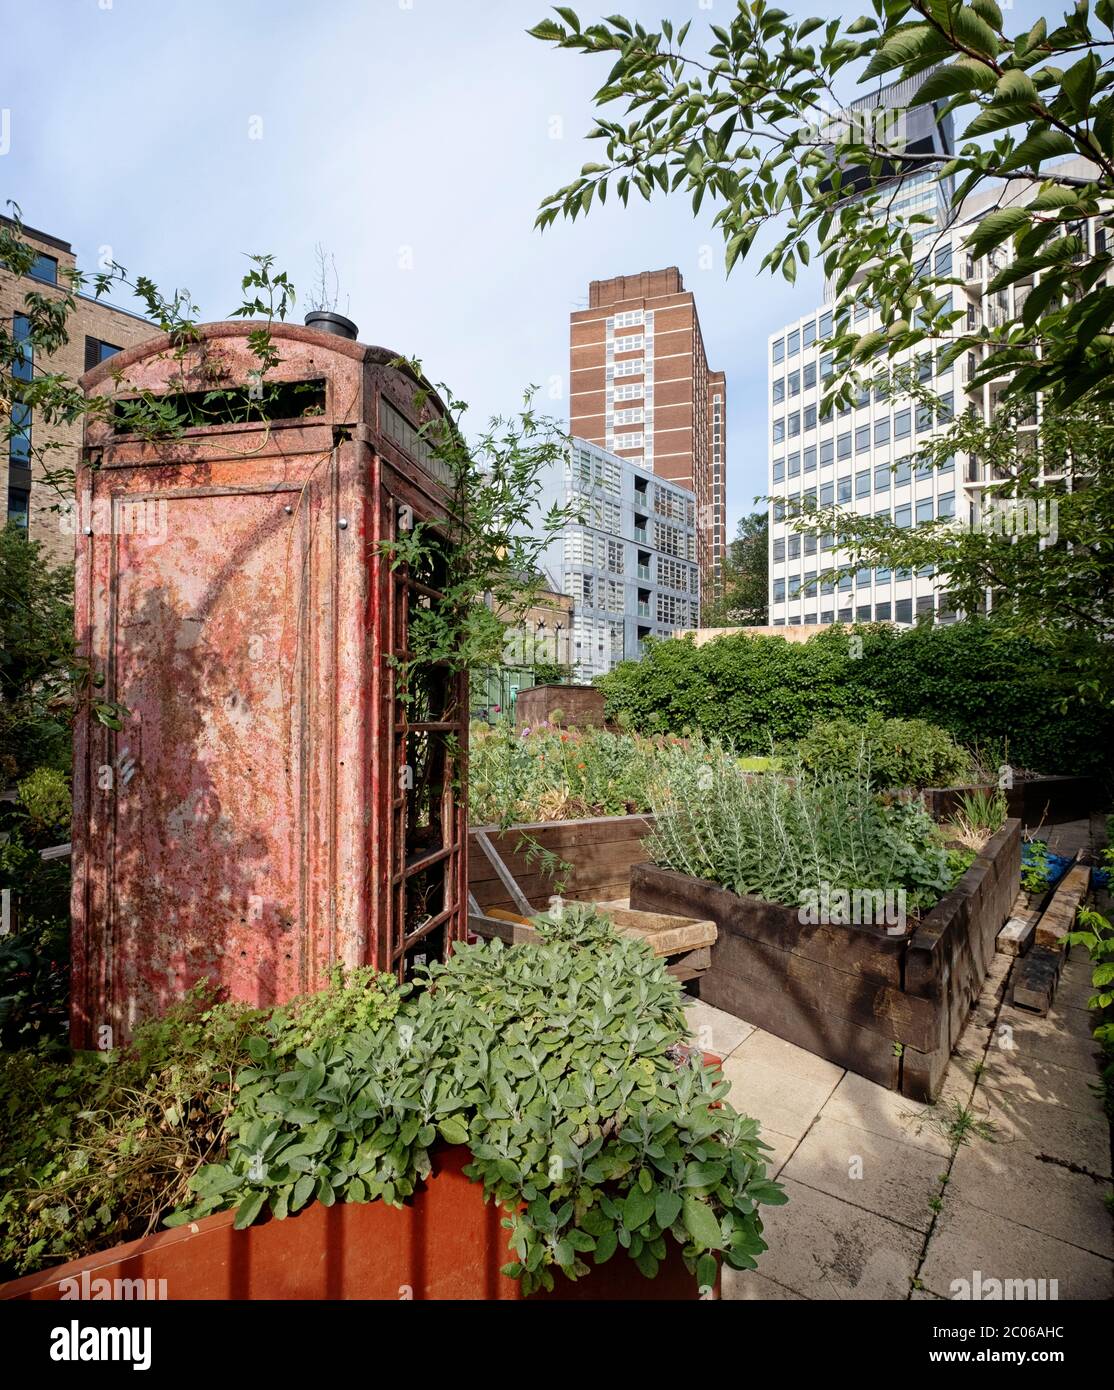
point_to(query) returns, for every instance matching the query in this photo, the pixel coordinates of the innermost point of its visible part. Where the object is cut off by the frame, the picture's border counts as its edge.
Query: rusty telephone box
(274, 802)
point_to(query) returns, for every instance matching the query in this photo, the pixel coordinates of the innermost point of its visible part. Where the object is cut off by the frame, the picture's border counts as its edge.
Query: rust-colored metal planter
(446, 1243)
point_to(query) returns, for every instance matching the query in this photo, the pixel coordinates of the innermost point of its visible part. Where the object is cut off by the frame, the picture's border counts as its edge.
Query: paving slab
(823, 1248)
(1049, 1131)
(1022, 1075)
(782, 1147)
(885, 1176)
(1062, 1036)
(1008, 1180)
(967, 1239)
(856, 1101)
(767, 1050)
(777, 1099)
(714, 1030)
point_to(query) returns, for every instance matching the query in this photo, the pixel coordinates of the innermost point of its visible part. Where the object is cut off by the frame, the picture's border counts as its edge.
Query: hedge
(996, 693)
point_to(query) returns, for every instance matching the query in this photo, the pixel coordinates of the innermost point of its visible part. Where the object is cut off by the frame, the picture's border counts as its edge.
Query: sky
(414, 139)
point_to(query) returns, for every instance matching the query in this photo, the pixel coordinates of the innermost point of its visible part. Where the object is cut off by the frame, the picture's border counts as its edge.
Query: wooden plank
(1036, 978)
(1058, 917)
(1016, 936)
(513, 891)
(868, 951)
(691, 965)
(509, 932)
(667, 934)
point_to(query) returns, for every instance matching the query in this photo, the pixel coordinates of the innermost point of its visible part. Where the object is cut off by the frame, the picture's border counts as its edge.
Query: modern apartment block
(628, 563)
(866, 457)
(96, 331)
(641, 389)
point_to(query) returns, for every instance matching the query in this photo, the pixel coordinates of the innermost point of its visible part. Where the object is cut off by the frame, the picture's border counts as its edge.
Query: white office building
(630, 561)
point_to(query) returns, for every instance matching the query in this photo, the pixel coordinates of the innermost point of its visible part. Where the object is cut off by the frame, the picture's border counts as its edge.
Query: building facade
(629, 563)
(641, 389)
(96, 331)
(865, 459)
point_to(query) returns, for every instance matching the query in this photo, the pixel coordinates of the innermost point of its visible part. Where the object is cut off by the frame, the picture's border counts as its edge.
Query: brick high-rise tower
(641, 388)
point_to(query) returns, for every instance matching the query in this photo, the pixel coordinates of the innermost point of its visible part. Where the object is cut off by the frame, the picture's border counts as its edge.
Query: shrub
(100, 1147)
(784, 838)
(985, 689)
(558, 1065)
(897, 752)
(47, 800)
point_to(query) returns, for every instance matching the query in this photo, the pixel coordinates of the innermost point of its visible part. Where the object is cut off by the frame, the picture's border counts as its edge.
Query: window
(827, 615)
(794, 585)
(947, 408)
(97, 351)
(810, 545)
(902, 423)
(827, 494)
(809, 375)
(862, 439)
(862, 483)
(826, 367)
(778, 350)
(881, 388)
(925, 468)
(794, 548)
(843, 446)
(808, 333)
(925, 603)
(882, 478)
(948, 466)
(903, 610)
(903, 516)
(778, 470)
(634, 342)
(844, 582)
(844, 615)
(843, 489)
(862, 579)
(779, 590)
(944, 261)
(778, 394)
(882, 612)
(826, 324)
(779, 549)
(827, 585)
(881, 432)
(945, 505)
(924, 418)
(810, 459)
(827, 451)
(809, 583)
(779, 431)
(810, 417)
(862, 613)
(902, 472)
(862, 397)
(881, 576)
(794, 342)
(44, 268)
(794, 465)
(23, 362)
(19, 506)
(779, 510)
(794, 383)
(924, 366)
(794, 424)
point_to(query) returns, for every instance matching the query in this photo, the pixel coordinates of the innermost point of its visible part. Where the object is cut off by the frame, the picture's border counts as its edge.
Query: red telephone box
(273, 804)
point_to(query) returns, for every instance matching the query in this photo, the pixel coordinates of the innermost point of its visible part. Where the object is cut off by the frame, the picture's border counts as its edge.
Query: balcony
(643, 571)
(643, 610)
(641, 535)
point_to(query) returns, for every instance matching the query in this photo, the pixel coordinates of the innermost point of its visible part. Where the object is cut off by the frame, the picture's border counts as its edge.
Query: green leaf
(453, 1130)
(995, 228)
(249, 1209)
(667, 1206)
(637, 1208)
(701, 1224)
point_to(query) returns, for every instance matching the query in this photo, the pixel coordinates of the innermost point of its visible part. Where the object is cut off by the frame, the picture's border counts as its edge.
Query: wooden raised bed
(1035, 801)
(445, 1243)
(508, 884)
(890, 1008)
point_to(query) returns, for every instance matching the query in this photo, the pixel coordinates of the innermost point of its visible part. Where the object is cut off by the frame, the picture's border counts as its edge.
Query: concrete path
(1004, 1178)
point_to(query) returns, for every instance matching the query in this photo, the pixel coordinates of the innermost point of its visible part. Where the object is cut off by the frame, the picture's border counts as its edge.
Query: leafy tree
(754, 125)
(1038, 546)
(743, 600)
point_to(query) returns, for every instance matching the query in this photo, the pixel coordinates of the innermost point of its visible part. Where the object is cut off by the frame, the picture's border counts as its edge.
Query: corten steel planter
(445, 1243)
(580, 706)
(271, 807)
(890, 1008)
(1034, 801)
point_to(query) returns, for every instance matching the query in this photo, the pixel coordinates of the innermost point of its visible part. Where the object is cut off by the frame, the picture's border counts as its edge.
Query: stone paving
(883, 1200)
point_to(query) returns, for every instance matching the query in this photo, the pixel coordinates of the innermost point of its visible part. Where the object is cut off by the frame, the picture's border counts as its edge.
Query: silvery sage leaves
(557, 1065)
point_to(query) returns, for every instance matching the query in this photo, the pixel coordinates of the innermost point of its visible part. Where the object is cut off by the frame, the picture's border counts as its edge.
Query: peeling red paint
(244, 826)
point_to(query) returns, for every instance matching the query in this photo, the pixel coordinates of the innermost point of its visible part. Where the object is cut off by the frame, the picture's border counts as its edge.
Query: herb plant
(557, 1064)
